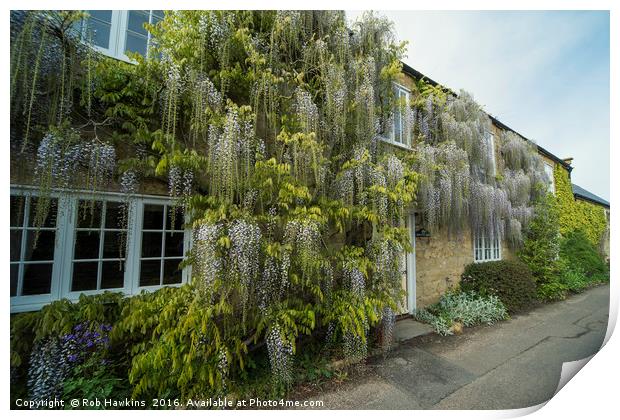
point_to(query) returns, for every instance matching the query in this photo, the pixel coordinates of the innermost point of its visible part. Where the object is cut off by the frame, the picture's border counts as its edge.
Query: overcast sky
(545, 74)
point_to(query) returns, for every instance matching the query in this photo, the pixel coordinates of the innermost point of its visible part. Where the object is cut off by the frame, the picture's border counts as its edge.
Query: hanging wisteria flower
(388, 320)
(208, 262)
(245, 238)
(174, 181)
(307, 111)
(280, 356)
(269, 289)
(47, 370)
(355, 347)
(101, 164)
(129, 187)
(489, 207)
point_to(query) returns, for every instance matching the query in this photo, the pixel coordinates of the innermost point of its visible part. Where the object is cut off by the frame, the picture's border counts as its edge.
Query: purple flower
(72, 358)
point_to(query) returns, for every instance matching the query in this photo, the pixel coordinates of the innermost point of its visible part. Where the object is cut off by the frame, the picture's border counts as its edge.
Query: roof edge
(417, 75)
(584, 198)
(583, 194)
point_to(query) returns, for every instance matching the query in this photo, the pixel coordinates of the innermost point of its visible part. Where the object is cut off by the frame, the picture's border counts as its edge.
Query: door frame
(411, 266)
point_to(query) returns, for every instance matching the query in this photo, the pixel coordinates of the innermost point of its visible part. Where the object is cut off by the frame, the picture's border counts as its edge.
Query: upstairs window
(549, 172)
(490, 144)
(116, 32)
(137, 38)
(486, 248)
(98, 28)
(401, 126)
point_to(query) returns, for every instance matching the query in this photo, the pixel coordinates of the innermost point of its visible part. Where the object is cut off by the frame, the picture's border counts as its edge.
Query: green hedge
(580, 255)
(511, 281)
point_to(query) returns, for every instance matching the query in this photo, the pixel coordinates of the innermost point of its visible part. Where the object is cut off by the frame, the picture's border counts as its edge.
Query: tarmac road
(513, 364)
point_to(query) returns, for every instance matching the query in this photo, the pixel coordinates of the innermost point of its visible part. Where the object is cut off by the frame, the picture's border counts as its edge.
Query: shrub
(37, 349)
(541, 242)
(574, 279)
(469, 308)
(580, 255)
(510, 281)
(551, 291)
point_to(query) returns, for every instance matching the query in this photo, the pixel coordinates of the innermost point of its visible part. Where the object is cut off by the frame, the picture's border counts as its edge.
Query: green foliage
(574, 279)
(95, 379)
(541, 242)
(510, 281)
(44, 86)
(552, 290)
(54, 320)
(59, 318)
(581, 257)
(467, 308)
(577, 215)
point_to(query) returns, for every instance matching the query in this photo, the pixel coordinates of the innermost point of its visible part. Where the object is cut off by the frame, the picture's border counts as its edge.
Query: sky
(545, 74)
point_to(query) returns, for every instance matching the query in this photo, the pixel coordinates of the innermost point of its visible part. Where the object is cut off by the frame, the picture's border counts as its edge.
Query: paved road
(513, 364)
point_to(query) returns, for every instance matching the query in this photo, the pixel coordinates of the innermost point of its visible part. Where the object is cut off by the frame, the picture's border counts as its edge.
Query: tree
(541, 247)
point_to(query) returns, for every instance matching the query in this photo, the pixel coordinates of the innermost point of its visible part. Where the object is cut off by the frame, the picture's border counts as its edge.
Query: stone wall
(440, 261)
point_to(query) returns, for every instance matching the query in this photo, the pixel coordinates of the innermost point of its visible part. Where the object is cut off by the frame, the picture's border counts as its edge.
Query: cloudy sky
(543, 73)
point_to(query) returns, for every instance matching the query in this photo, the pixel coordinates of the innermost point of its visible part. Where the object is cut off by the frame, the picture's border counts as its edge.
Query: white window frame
(39, 300)
(495, 248)
(406, 141)
(62, 270)
(118, 35)
(137, 245)
(490, 138)
(551, 186)
(391, 136)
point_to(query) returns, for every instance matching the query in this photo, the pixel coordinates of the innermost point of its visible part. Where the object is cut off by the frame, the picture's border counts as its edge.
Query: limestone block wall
(440, 261)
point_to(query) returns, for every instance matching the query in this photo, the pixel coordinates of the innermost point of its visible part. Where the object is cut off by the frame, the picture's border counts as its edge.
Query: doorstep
(408, 328)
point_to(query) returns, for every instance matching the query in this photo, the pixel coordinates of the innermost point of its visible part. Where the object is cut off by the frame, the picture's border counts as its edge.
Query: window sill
(489, 260)
(396, 144)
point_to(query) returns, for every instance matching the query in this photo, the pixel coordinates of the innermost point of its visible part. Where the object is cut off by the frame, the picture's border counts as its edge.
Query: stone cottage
(71, 258)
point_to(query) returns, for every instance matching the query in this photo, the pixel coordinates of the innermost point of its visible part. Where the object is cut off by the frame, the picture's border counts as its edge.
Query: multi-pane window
(549, 172)
(117, 32)
(98, 28)
(82, 247)
(162, 246)
(401, 127)
(32, 248)
(486, 248)
(137, 38)
(98, 252)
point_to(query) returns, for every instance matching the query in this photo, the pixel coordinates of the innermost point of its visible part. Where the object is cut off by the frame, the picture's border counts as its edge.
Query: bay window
(83, 248)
